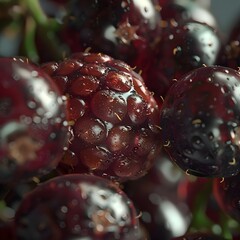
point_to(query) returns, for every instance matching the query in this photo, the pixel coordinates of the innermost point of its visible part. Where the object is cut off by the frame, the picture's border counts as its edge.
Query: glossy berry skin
(200, 121)
(183, 47)
(113, 117)
(180, 11)
(155, 196)
(32, 115)
(126, 30)
(226, 193)
(76, 207)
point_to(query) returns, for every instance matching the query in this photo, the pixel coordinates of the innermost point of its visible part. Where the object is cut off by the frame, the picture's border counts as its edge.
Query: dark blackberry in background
(200, 121)
(183, 47)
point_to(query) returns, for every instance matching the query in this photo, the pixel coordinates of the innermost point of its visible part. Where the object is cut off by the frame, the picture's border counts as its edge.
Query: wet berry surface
(200, 122)
(184, 46)
(119, 120)
(114, 118)
(32, 115)
(76, 206)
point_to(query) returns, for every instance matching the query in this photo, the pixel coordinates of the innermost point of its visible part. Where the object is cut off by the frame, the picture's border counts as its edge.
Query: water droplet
(195, 60)
(197, 142)
(64, 209)
(31, 105)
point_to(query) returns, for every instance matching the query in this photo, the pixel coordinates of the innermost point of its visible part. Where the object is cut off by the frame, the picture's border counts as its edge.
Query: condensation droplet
(64, 209)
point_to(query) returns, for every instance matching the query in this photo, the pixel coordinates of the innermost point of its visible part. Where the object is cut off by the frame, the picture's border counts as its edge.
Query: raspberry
(114, 118)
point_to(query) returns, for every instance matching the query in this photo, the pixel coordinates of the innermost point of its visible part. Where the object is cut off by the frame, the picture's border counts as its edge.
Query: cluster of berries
(133, 135)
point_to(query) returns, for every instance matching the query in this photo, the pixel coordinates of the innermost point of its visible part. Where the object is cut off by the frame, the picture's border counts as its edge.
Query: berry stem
(29, 40)
(199, 219)
(227, 224)
(46, 29)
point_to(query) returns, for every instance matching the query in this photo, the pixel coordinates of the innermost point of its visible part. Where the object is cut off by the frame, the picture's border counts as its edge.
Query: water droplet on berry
(197, 142)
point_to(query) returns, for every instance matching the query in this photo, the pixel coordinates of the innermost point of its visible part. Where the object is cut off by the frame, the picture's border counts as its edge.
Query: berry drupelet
(183, 47)
(114, 118)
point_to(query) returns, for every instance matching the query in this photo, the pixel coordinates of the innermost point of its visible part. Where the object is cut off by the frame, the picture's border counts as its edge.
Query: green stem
(199, 219)
(29, 40)
(36, 11)
(228, 225)
(46, 29)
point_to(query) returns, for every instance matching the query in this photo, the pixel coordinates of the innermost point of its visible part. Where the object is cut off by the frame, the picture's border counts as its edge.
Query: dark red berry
(76, 207)
(113, 117)
(126, 30)
(183, 47)
(180, 11)
(32, 115)
(155, 195)
(200, 121)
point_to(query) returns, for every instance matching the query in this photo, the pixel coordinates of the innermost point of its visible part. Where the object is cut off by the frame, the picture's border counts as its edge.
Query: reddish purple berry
(76, 207)
(180, 11)
(200, 121)
(183, 47)
(32, 115)
(126, 30)
(113, 117)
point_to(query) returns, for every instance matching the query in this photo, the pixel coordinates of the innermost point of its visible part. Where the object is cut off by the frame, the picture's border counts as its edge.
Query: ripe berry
(126, 30)
(183, 47)
(76, 207)
(112, 114)
(180, 11)
(155, 195)
(32, 113)
(226, 193)
(200, 121)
